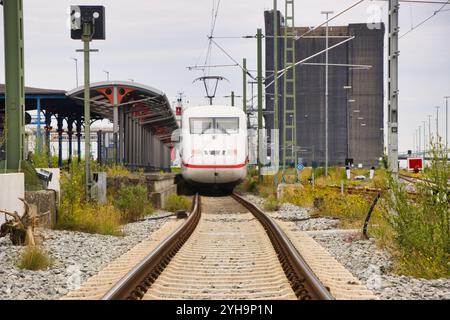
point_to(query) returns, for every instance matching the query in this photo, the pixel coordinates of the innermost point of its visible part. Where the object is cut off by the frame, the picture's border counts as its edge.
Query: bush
(78, 215)
(351, 209)
(421, 236)
(117, 170)
(34, 258)
(43, 160)
(271, 204)
(176, 202)
(133, 202)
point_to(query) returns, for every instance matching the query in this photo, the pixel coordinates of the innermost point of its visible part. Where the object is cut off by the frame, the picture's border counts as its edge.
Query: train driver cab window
(201, 125)
(226, 125)
(214, 125)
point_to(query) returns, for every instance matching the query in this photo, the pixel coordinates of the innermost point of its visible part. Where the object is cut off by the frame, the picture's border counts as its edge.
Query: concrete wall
(347, 138)
(12, 187)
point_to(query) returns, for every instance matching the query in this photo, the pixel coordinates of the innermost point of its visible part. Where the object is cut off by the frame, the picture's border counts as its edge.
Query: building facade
(355, 107)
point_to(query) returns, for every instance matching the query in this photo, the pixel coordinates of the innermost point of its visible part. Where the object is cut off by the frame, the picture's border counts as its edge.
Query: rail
(304, 282)
(135, 283)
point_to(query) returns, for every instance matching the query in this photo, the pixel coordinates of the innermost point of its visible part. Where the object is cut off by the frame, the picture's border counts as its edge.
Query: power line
(421, 23)
(234, 60)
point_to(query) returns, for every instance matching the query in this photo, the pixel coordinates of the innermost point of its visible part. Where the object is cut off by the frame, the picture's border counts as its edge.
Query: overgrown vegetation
(175, 203)
(77, 214)
(133, 202)
(351, 209)
(271, 204)
(43, 160)
(34, 258)
(116, 170)
(414, 230)
(418, 230)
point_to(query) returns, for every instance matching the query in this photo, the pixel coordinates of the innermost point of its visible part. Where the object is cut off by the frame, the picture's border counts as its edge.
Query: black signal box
(80, 15)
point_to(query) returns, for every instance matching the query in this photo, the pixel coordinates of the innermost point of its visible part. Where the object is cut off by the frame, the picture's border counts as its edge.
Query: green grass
(271, 204)
(175, 203)
(76, 214)
(418, 230)
(34, 258)
(133, 202)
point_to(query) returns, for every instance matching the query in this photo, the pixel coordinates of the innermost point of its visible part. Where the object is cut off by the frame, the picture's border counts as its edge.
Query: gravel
(76, 257)
(370, 264)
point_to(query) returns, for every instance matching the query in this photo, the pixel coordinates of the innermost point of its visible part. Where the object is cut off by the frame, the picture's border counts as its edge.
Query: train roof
(214, 109)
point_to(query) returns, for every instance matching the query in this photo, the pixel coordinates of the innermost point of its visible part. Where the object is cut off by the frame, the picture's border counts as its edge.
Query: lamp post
(446, 123)
(326, 94)
(424, 138)
(76, 69)
(437, 122)
(429, 131)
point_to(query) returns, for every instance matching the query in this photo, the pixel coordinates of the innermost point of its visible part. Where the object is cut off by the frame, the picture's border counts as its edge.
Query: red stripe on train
(209, 166)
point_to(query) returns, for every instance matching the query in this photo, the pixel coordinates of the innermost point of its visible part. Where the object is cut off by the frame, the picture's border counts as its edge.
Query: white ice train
(214, 146)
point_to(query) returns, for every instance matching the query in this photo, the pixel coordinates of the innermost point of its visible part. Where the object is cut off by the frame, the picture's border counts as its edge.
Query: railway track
(226, 249)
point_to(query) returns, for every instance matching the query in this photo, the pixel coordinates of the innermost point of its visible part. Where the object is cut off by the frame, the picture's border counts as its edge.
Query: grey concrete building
(355, 95)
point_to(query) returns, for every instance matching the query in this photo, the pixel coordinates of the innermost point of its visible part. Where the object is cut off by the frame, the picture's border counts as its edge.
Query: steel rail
(304, 282)
(136, 282)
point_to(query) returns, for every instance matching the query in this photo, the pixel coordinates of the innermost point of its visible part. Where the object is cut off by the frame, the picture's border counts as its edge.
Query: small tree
(421, 227)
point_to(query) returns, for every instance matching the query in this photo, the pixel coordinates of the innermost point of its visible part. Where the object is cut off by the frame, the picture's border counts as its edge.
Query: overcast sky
(152, 42)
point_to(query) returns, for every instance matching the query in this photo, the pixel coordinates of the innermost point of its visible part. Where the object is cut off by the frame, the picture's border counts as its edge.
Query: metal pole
(87, 114)
(446, 123)
(429, 132)
(38, 131)
(393, 87)
(260, 98)
(14, 83)
(437, 123)
(115, 123)
(275, 64)
(232, 98)
(424, 138)
(420, 141)
(244, 86)
(326, 93)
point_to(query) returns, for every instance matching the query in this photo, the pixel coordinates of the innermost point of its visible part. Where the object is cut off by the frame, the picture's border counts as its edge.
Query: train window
(226, 125)
(201, 125)
(214, 125)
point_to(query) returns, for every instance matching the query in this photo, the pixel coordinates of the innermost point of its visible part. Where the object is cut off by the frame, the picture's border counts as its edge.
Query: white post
(326, 94)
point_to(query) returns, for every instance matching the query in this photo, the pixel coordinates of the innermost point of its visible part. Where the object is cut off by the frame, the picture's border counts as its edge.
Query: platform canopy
(149, 106)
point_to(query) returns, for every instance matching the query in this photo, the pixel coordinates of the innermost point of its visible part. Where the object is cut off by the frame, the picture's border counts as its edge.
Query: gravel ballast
(76, 255)
(370, 264)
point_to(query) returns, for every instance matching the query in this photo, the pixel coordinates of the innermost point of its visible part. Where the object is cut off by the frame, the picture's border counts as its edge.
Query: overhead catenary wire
(425, 20)
(283, 71)
(234, 60)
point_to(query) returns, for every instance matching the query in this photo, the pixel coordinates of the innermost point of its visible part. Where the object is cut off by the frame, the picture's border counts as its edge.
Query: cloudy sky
(152, 42)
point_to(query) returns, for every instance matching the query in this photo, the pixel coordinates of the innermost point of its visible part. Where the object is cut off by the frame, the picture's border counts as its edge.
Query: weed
(176, 202)
(271, 204)
(78, 215)
(420, 228)
(34, 258)
(133, 202)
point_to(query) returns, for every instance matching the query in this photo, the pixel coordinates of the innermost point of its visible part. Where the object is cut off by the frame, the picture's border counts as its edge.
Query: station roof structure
(149, 106)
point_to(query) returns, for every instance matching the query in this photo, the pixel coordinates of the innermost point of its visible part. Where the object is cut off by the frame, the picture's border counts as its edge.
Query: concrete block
(12, 187)
(159, 198)
(159, 182)
(98, 189)
(44, 200)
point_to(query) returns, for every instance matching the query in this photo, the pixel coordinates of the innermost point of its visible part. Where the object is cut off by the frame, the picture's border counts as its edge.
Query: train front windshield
(214, 125)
